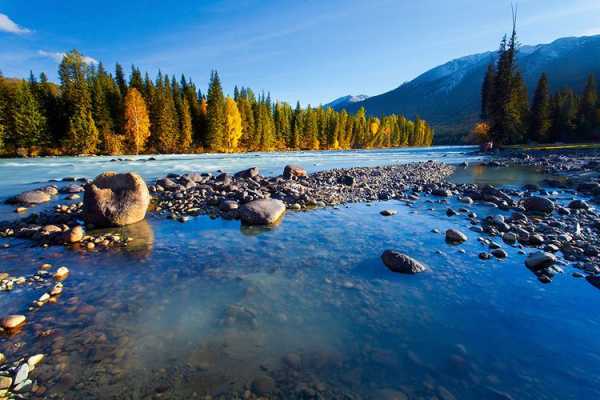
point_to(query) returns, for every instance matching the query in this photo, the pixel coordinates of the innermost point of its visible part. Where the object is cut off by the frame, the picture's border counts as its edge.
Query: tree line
(508, 117)
(93, 111)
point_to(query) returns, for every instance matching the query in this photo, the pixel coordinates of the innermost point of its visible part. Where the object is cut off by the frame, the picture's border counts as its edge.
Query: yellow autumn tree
(233, 124)
(137, 123)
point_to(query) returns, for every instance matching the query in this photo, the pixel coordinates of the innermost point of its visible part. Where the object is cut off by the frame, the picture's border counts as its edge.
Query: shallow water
(212, 308)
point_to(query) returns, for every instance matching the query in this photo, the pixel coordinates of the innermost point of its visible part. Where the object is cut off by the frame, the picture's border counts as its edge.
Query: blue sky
(307, 50)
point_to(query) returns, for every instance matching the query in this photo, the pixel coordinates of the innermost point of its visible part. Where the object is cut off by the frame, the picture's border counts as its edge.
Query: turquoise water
(305, 309)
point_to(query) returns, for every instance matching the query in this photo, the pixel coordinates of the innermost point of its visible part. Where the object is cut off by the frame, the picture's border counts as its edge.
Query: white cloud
(58, 56)
(8, 25)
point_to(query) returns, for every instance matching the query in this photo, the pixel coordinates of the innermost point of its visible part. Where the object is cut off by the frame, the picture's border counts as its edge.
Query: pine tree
(541, 112)
(587, 115)
(487, 93)
(120, 78)
(137, 121)
(215, 113)
(29, 123)
(186, 130)
(82, 135)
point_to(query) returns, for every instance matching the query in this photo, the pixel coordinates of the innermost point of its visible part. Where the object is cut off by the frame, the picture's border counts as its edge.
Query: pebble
(388, 213)
(13, 321)
(61, 274)
(455, 236)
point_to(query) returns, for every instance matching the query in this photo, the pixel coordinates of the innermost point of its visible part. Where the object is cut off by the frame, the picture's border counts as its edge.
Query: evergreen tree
(29, 124)
(487, 93)
(186, 130)
(587, 113)
(120, 78)
(541, 112)
(215, 113)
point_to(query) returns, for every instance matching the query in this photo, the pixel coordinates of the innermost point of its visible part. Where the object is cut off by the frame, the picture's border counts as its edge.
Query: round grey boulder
(398, 262)
(262, 212)
(455, 236)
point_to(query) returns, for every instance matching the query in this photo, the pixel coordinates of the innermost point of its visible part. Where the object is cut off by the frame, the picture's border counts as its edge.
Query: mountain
(448, 96)
(343, 102)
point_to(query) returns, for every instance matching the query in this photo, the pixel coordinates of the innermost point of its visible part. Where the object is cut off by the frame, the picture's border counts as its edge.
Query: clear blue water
(209, 307)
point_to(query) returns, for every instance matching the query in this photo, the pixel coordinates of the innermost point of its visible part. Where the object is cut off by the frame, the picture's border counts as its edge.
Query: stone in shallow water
(115, 200)
(61, 274)
(13, 321)
(455, 236)
(540, 260)
(31, 197)
(262, 212)
(388, 213)
(398, 262)
(538, 204)
(22, 374)
(293, 171)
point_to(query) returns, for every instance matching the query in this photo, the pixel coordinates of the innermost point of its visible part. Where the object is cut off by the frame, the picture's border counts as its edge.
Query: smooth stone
(22, 374)
(455, 236)
(247, 173)
(5, 382)
(388, 213)
(13, 321)
(61, 274)
(262, 212)
(34, 360)
(31, 197)
(499, 253)
(579, 205)
(398, 262)
(2, 358)
(75, 235)
(538, 204)
(540, 260)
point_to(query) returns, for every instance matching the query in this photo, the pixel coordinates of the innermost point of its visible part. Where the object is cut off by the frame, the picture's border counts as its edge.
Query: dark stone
(398, 262)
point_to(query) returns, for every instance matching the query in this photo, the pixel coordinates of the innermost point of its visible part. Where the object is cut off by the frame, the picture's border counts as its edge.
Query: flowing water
(304, 309)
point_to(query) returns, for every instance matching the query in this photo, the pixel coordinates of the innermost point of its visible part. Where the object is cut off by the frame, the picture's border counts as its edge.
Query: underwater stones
(115, 200)
(5, 382)
(538, 204)
(455, 236)
(2, 359)
(388, 213)
(401, 263)
(12, 322)
(291, 171)
(499, 253)
(466, 200)
(262, 212)
(540, 260)
(578, 205)
(34, 360)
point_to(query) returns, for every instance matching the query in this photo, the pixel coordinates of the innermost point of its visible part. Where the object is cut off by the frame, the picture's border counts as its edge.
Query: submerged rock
(388, 213)
(262, 212)
(398, 262)
(116, 200)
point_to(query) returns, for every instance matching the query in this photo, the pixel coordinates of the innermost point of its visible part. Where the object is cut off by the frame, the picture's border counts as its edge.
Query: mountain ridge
(447, 96)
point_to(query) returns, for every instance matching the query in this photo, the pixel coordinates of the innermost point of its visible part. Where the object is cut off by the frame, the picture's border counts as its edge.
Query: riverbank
(269, 309)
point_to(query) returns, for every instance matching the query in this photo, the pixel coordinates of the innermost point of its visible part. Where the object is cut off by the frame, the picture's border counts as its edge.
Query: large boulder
(538, 204)
(291, 171)
(398, 262)
(114, 199)
(262, 212)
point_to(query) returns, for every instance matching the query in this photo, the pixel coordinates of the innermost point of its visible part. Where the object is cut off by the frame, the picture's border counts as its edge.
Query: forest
(93, 111)
(508, 116)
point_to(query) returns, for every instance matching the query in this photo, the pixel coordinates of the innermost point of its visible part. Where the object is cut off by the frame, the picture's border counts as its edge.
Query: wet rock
(499, 253)
(398, 262)
(228, 205)
(75, 234)
(34, 360)
(450, 212)
(22, 374)
(61, 274)
(509, 237)
(388, 213)
(455, 236)
(2, 358)
(262, 212)
(540, 260)
(538, 204)
(466, 200)
(13, 322)
(116, 200)
(30, 197)
(247, 173)
(294, 171)
(485, 256)
(578, 205)
(5, 382)
(594, 280)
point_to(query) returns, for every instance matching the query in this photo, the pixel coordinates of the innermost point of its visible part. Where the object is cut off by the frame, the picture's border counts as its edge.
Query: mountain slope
(448, 96)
